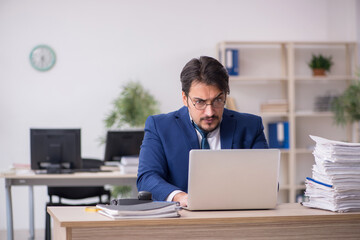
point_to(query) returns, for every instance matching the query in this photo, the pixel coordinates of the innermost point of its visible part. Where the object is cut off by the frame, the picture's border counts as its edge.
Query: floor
(24, 234)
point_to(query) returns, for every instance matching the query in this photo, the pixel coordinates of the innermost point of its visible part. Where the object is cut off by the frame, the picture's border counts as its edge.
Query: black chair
(75, 193)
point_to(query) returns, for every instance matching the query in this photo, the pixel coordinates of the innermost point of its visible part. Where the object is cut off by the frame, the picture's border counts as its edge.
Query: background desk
(288, 221)
(76, 179)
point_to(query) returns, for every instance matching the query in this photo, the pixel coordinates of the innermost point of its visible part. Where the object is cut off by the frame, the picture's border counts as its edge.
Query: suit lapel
(227, 129)
(182, 118)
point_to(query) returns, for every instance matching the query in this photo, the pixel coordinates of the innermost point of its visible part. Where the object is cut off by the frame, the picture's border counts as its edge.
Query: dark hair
(205, 70)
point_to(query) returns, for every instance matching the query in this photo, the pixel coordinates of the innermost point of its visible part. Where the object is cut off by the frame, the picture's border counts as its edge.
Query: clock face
(42, 58)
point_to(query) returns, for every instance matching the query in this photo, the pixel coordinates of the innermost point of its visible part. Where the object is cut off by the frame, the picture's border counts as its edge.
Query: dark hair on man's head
(204, 70)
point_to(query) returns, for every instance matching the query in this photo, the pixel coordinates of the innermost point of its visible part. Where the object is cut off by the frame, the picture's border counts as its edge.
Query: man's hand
(182, 198)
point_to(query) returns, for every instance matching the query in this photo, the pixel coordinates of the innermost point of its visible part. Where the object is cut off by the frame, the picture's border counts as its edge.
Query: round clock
(42, 57)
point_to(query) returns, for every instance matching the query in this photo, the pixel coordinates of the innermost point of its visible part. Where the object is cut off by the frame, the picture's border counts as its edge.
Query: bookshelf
(278, 70)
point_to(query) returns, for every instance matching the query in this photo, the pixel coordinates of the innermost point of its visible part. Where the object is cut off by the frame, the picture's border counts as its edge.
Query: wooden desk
(287, 221)
(77, 179)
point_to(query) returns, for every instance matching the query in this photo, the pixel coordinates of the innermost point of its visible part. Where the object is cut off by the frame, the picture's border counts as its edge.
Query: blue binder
(279, 135)
(232, 61)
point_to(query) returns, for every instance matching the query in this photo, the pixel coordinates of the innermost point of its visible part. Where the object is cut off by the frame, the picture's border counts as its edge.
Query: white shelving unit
(278, 70)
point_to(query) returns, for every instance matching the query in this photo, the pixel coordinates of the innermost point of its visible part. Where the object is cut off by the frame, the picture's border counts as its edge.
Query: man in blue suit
(203, 122)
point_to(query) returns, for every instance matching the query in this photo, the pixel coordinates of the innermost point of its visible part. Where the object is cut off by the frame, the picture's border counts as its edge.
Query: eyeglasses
(201, 104)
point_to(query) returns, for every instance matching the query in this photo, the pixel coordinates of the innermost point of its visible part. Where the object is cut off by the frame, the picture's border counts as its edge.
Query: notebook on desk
(233, 179)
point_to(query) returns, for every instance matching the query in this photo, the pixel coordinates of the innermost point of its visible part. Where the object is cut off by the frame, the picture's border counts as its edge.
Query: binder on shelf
(232, 61)
(279, 135)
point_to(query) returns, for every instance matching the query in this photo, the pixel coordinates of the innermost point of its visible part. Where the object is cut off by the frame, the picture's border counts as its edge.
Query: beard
(204, 119)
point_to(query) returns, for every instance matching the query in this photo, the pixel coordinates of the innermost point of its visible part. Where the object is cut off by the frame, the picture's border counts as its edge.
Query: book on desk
(144, 210)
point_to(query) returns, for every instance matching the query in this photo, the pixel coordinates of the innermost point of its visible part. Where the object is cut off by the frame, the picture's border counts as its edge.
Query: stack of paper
(143, 210)
(129, 164)
(335, 184)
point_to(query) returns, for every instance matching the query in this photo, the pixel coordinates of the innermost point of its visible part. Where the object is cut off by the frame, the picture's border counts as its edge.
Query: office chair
(75, 193)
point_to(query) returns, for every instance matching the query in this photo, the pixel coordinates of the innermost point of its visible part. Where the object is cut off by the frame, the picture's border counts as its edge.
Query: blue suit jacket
(164, 154)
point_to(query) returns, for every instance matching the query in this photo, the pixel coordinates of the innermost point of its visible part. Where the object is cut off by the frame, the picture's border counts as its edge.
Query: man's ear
(184, 98)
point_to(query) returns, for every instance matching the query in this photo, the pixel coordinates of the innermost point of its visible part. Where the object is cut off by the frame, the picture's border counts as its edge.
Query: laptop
(233, 179)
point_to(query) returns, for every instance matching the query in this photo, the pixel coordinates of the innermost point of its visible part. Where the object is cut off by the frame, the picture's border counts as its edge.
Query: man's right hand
(182, 198)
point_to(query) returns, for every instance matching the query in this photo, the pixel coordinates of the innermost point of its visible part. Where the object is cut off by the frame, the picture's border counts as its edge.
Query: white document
(335, 182)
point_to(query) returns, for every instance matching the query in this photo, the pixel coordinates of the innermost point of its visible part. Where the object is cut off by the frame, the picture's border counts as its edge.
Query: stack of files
(129, 164)
(275, 105)
(335, 182)
(143, 210)
(109, 168)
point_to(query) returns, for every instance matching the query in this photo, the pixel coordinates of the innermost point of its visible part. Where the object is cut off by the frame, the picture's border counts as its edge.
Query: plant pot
(319, 72)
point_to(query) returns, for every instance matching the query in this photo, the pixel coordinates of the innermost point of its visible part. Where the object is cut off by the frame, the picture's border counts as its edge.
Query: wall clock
(42, 58)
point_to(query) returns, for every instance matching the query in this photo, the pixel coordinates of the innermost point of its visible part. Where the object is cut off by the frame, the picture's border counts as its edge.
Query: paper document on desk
(129, 164)
(130, 160)
(160, 215)
(335, 150)
(128, 169)
(335, 184)
(146, 210)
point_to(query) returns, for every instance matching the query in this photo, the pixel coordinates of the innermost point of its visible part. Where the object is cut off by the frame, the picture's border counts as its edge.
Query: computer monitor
(122, 143)
(55, 149)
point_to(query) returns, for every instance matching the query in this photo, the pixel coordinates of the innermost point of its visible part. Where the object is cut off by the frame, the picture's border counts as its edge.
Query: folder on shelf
(232, 61)
(279, 135)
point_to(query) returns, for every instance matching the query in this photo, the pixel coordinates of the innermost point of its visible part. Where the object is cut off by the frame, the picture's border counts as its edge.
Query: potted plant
(130, 110)
(346, 107)
(320, 64)
(132, 107)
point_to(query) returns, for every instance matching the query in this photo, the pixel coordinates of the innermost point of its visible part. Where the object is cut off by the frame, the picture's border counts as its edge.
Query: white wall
(102, 44)
(358, 24)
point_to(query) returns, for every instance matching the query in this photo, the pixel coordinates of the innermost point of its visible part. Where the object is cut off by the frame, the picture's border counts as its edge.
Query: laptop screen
(233, 179)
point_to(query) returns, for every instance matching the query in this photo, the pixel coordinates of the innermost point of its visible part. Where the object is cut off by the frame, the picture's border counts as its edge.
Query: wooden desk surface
(285, 222)
(77, 216)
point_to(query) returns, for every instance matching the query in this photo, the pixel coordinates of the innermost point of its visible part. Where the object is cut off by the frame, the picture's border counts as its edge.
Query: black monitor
(122, 143)
(55, 149)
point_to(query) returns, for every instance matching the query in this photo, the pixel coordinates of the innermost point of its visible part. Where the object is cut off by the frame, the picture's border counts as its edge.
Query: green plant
(131, 107)
(122, 191)
(321, 62)
(346, 107)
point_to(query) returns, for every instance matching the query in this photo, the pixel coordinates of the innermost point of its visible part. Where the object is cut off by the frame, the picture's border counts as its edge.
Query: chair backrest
(78, 192)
